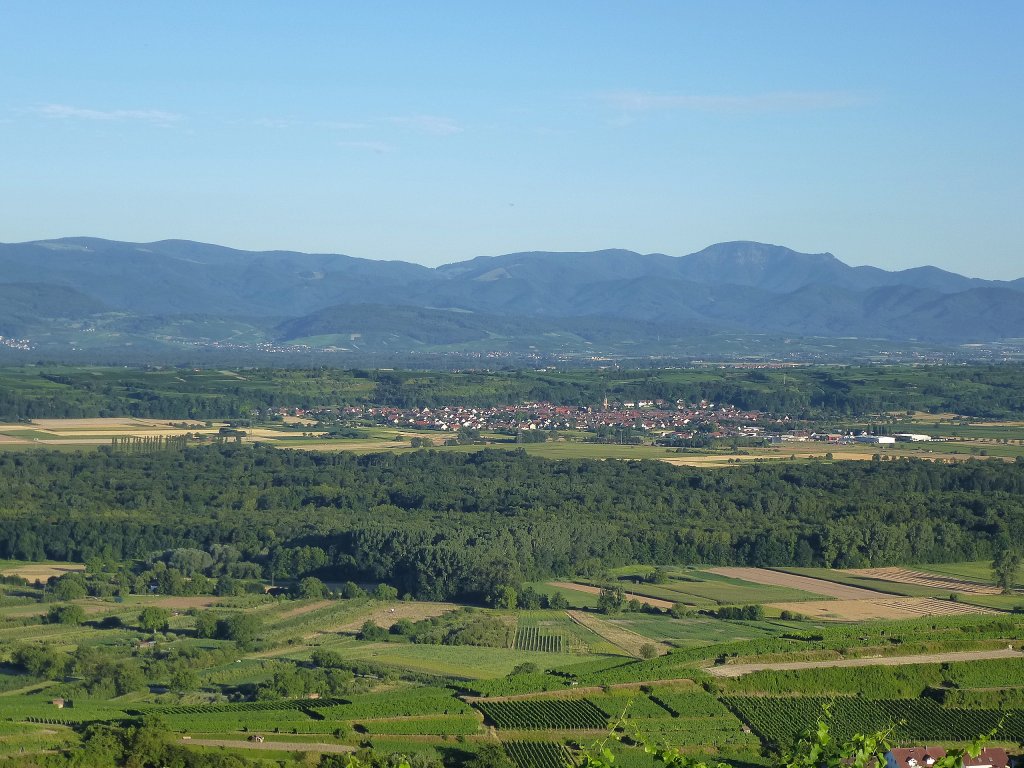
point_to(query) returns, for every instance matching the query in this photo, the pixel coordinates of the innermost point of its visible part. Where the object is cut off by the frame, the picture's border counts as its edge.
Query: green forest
(442, 525)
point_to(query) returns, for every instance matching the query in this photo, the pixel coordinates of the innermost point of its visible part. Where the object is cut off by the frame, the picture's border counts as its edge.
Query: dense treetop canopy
(444, 524)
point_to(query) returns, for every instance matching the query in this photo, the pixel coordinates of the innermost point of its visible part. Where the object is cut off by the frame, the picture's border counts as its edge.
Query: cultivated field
(591, 590)
(904, 576)
(389, 614)
(880, 608)
(38, 571)
(92, 432)
(804, 583)
(626, 639)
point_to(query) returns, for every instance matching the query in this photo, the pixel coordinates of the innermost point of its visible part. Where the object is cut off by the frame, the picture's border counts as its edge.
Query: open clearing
(879, 608)
(387, 615)
(805, 583)
(626, 639)
(736, 670)
(652, 601)
(904, 576)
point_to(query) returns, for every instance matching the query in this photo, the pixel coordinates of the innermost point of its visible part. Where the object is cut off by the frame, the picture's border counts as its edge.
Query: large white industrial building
(875, 439)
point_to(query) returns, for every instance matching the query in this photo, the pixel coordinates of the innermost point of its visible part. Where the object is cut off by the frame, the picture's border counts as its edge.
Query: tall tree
(1005, 568)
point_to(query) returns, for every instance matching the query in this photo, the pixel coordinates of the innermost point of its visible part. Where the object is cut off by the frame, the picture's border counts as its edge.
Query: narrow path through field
(805, 583)
(282, 746)
(736, 670)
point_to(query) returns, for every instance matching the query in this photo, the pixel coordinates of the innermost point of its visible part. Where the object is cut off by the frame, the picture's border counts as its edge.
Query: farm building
(906, 437)
(875, 439)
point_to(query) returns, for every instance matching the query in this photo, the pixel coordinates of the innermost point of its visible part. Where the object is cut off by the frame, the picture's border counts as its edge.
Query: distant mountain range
(92, 291)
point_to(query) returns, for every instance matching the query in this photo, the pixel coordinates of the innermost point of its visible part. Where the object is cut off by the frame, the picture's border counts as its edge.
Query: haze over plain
(885, 135)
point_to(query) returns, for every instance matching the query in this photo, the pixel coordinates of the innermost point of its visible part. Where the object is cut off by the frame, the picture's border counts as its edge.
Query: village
(678, 419)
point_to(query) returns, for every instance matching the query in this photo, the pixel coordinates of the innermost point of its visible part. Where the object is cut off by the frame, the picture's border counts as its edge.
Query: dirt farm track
(736, 670)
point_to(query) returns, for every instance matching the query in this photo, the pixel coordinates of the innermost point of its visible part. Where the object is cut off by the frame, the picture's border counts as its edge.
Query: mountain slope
(25, 307)
(178, 290)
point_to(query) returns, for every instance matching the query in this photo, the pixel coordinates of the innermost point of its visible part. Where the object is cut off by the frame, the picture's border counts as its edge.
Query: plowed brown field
(904, 576)
(879, 608)
(805, 583)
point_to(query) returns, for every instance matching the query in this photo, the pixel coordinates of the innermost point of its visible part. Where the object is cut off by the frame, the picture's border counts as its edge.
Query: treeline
(990, 391)
(439, 525)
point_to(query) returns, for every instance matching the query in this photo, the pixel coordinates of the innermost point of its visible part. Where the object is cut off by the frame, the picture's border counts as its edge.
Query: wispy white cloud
(379, 147)
(339, 125)
(775, 101)
(275, 122)
(67, 112)
(432, 124)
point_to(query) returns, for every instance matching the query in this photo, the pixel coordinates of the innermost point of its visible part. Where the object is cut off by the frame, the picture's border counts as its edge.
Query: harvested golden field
(879, 608)
(652, 601)
(41, 571)
(805, 583)
(626, 639)
(904, 576)
(117, 423)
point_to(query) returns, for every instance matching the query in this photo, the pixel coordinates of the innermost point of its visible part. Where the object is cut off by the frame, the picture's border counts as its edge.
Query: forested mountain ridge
(440, 525)
(602, 299)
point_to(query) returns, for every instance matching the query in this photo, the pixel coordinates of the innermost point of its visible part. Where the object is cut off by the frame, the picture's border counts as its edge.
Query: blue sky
(885, 133)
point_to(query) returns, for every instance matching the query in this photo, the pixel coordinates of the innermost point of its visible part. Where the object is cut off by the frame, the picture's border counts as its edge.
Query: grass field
(977, 570)
(698, 631)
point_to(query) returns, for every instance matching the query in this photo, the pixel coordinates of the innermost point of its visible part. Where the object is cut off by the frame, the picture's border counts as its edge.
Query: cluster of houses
(23, 344)
(646, 415)
(840, 438)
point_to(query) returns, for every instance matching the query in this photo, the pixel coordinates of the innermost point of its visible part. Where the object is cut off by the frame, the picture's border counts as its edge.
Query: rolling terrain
(92, 295)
